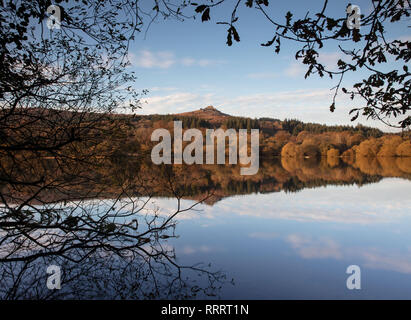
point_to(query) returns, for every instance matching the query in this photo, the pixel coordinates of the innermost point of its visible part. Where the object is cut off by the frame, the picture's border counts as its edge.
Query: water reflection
(128, 176)
(102, 254)
(116, 243)
(285, 174)
(104, 275)
(298, 245)
(107, 248)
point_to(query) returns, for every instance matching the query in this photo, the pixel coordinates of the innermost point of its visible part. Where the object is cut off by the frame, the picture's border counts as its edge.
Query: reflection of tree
(139, 272)
(114, 248)
(125, 176)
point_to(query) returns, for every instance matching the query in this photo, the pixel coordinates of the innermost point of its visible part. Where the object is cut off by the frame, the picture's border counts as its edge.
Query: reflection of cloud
(263, 235)
(310, 248)
(200, 249)
(375, 204)
(372, 204)
(324, 247)
(393, 261)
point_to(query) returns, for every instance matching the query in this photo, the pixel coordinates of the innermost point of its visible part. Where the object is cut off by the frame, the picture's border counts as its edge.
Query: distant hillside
(287, 138)
(210, 117)
(131, 134)
(209, 113)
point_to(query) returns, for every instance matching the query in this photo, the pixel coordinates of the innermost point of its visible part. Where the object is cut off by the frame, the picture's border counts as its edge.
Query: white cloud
(167, 59)
(188, 62)
(331, 58)
(403, 38)
(295, 69)
(240, 105)
(176, 102)
(148, 59)
(207, 62)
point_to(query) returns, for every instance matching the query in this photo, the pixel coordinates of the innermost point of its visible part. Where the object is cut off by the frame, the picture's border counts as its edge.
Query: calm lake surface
(299, 245)
(288, 232)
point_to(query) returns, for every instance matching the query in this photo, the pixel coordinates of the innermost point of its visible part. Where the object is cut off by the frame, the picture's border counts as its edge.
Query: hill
(209, 113)
(211, 117)
(287, 138)
(131, 134)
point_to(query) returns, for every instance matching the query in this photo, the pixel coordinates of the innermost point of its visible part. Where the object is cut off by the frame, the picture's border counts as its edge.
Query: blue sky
(187, 65)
